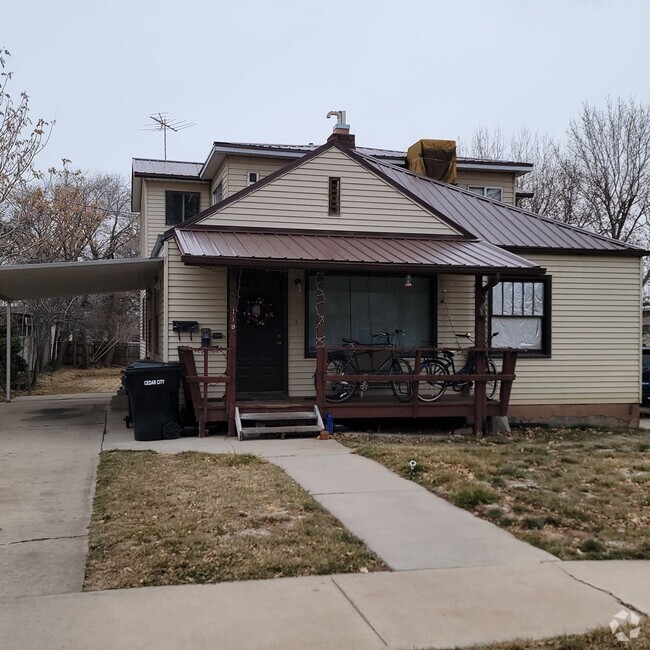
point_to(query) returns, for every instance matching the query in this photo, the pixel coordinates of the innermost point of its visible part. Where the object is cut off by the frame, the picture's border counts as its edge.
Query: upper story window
(495, 193)
(180, 206)
(252, 177)
(521, 315)
(334, 196)
(217, 193)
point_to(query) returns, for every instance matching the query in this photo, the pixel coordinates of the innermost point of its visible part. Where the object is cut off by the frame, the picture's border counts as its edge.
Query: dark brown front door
(262, 334)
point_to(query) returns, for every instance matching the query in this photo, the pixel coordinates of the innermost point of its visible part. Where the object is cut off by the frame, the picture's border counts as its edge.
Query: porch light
(408, 284)
(298, 283)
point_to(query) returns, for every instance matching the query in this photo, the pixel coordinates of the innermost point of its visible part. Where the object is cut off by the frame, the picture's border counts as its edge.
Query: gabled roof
(462, 232)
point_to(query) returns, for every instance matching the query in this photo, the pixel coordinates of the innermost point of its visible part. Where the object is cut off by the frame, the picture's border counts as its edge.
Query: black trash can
(152, 387)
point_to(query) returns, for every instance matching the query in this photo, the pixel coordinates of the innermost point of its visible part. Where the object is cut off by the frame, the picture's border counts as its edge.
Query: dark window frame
(218, 190)
(547, 318)
(334, 195)
(184, 217)
(433, 305)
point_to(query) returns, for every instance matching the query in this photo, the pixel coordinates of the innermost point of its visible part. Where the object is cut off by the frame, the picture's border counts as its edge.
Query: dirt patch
(74, 380)
(577, 493)
(201, 518)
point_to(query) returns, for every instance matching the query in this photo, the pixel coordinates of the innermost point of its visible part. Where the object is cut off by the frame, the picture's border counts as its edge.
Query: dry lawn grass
(75, 380)
(202, 518)
(577, 493)
(597, 640)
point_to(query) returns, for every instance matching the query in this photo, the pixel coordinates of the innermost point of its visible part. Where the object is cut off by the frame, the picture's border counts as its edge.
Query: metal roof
(151, 167)
(493, 221)
(343, 251)
(29, 281)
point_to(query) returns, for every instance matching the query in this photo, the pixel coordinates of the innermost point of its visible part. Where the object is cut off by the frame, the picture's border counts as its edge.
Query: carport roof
(28, 281)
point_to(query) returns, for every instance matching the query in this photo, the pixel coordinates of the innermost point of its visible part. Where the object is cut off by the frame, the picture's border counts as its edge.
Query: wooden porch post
(321, 353)
(231, 354)
(480, 342)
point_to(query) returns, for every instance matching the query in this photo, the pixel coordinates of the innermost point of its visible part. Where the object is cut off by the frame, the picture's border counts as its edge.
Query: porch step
(295, 422)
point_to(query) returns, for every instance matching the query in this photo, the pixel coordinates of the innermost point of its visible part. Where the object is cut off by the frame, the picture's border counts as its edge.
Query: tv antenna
(162, 122)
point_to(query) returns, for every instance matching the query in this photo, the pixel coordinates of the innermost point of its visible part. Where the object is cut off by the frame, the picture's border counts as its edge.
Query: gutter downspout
(8, 358)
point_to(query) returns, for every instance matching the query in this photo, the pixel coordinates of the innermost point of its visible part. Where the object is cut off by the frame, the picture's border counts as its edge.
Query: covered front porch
(285, 308)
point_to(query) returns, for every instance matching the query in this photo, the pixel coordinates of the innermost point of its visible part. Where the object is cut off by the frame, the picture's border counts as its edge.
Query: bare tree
(610, 148)
(20, 139)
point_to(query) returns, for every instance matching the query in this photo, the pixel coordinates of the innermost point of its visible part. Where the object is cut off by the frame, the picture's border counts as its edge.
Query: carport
(32, 281)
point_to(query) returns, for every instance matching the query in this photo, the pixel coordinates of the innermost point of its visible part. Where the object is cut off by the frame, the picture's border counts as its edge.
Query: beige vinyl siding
(239, 166)
(596, 335)
(505, 180)
(143, 221)
(200, 294)
(159, 352)
(155, 206)
(299, 199)
(222, 176)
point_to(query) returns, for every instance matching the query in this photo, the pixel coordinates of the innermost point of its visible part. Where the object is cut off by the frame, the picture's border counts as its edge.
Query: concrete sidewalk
(406, 525)
(411, 609)
(48, 456)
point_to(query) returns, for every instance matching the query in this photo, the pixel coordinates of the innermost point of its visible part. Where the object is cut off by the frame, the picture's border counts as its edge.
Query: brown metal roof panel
(345, 249)
(496, 222)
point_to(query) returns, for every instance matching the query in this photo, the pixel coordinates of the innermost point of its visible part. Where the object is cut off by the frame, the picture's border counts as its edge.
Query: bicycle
(384, 361)
(434, 387)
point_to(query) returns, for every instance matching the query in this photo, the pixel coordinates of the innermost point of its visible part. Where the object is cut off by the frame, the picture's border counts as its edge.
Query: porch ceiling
(344, 251)
(28, 281)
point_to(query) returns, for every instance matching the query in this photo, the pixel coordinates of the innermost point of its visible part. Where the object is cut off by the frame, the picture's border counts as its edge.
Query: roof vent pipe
(341, 130)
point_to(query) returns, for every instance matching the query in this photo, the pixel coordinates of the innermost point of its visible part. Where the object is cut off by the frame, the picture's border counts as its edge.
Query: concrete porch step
(282, 422)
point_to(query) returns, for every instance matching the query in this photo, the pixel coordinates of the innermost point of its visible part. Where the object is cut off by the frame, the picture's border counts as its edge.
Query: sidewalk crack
(358, 611)
(43, 539)
(630, 606)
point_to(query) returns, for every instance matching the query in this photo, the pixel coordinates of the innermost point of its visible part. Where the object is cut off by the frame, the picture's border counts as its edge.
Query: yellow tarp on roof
(433, 158)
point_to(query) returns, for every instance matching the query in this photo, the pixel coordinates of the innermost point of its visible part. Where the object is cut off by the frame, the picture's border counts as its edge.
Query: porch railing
(477, 406)
(198, 385)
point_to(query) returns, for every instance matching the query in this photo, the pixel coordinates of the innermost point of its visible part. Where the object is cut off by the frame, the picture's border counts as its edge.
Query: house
(277, 253)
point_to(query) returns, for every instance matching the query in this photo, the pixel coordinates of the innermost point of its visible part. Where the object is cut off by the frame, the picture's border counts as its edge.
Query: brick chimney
(341, 130)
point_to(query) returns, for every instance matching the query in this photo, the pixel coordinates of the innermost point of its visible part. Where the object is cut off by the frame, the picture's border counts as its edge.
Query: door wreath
(258, 312)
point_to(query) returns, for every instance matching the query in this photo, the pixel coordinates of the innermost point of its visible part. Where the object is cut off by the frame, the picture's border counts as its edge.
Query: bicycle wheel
(491, 385)
(403, 390)
(339, 390)
(433, 386)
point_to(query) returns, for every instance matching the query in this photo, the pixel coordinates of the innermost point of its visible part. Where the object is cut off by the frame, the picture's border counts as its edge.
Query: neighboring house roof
(345, 251)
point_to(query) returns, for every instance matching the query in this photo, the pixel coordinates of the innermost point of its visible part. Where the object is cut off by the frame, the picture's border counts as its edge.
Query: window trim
(485, 188)
(183, 217)
(433, 304)
(547, 319)
(249, 182)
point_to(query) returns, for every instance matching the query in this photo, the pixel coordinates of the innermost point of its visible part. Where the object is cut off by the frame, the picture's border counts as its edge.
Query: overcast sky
(269, 71)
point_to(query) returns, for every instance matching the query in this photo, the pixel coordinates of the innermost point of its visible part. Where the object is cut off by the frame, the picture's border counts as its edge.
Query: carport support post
(480, 343)
(8, 358)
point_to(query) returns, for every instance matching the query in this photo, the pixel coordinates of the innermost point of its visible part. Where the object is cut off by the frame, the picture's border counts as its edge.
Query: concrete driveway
(48, 456)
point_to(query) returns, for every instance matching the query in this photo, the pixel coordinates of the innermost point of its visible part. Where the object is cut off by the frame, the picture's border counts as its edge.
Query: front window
(357, 306)
(521, 315)
(495, 193)
(180, 206)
